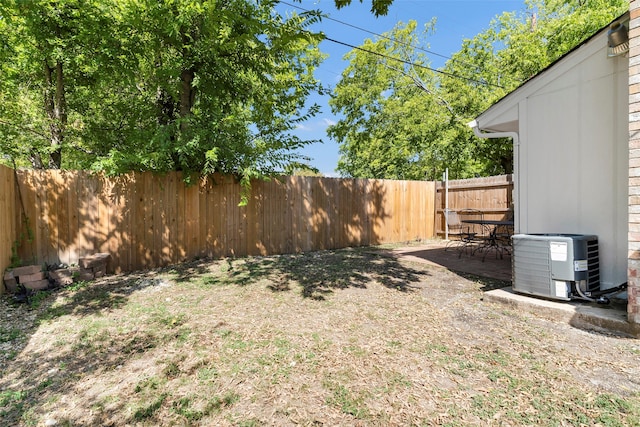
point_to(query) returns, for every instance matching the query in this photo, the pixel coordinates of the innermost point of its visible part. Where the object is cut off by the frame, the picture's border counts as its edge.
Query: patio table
(498, 235)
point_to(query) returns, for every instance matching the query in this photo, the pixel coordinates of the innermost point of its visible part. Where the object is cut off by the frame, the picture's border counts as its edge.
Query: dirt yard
(350, 337)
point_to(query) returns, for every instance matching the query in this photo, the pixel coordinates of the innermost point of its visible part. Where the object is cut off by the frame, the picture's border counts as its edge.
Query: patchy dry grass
(347, 337)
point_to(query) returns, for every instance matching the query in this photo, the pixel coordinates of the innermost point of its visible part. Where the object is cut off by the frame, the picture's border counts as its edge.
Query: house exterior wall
(634, 163)
(573, 157)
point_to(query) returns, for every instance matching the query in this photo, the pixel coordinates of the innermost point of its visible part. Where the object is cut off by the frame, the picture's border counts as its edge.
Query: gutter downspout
(516, 147)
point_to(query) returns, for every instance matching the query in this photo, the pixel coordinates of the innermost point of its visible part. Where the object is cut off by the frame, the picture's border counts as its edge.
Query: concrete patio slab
(610, 318)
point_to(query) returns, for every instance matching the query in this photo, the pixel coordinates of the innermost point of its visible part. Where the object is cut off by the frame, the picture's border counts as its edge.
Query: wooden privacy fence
(145, 220)
(493, 196)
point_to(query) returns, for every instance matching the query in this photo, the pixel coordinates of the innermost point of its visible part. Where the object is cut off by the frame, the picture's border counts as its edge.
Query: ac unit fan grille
(593, 264)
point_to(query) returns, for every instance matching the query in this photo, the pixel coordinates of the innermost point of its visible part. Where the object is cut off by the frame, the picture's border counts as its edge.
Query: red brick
(10, 284)
(94, 260)
(25, 278)
(27, 269)
(63, 277)
(37, 285)
(86, 275)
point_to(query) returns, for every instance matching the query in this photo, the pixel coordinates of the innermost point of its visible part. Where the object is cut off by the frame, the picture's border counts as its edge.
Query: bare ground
(349, 337)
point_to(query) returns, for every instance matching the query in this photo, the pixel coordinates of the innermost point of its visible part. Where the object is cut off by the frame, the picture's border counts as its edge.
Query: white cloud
(316, 126)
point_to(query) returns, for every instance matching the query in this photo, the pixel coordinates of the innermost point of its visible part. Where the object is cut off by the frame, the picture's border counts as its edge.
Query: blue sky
(456, 20)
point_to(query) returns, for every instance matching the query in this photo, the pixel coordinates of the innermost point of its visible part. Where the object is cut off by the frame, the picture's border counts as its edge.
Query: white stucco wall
(572, 163)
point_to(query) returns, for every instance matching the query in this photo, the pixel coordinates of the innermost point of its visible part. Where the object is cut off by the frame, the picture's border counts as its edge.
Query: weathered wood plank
(8, 209)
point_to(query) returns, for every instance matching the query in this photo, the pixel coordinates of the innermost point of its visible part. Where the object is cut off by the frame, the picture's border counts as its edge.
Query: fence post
(445, 177)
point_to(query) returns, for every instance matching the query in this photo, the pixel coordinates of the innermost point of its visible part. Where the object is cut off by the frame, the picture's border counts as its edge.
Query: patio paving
(610, 318)
(436, 253)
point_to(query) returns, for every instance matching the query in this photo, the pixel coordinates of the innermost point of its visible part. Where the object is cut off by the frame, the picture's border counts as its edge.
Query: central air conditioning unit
(556, 266)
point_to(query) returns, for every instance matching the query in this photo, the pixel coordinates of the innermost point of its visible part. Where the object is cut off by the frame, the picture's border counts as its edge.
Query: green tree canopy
(391, 113)
(405, 121)
(200, 86)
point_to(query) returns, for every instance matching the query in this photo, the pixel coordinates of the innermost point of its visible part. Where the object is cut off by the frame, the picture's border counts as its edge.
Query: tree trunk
(55, 106)
(36, 160)
(187, 91)
(187, 95)
(164, 103)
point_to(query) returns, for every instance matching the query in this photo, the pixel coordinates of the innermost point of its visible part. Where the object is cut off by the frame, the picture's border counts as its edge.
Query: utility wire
(456, 76)
(370, 32)
(396, 59)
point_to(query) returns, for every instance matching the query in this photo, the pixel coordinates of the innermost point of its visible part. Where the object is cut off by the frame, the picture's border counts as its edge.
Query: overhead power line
(371, 32)
(456, 76)
(413, 64)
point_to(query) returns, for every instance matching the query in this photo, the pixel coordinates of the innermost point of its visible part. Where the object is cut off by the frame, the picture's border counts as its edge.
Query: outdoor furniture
(495, 237)
(463, 235)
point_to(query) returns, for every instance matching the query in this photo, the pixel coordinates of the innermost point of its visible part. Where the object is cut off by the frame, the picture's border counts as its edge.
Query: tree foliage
(200, 86)
(405, 121)
(378, 7)
(384, 132)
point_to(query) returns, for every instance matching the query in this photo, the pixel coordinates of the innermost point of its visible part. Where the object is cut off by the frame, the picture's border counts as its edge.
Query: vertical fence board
(115, 211)
(192, 209)
(281, 224)
(42, 231)
(139, 230)
(251, 219)
(307, 218)
(292, 214)
(221, 233)
(157, 215)
(71, 185)
(228, 188)
(104, 217)
(180, 245)
(58, 200)
(169, 221)
(240, 220)
(210, 229)
(90, 213)
(202, 218)
(8, 209)
(28, 225)
(127, 191)
(271, 220)
(152, 212)
(215, 215)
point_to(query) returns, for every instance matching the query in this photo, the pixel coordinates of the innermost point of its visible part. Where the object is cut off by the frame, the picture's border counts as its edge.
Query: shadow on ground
(45, 371)
(491, 266)
(317, 273)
